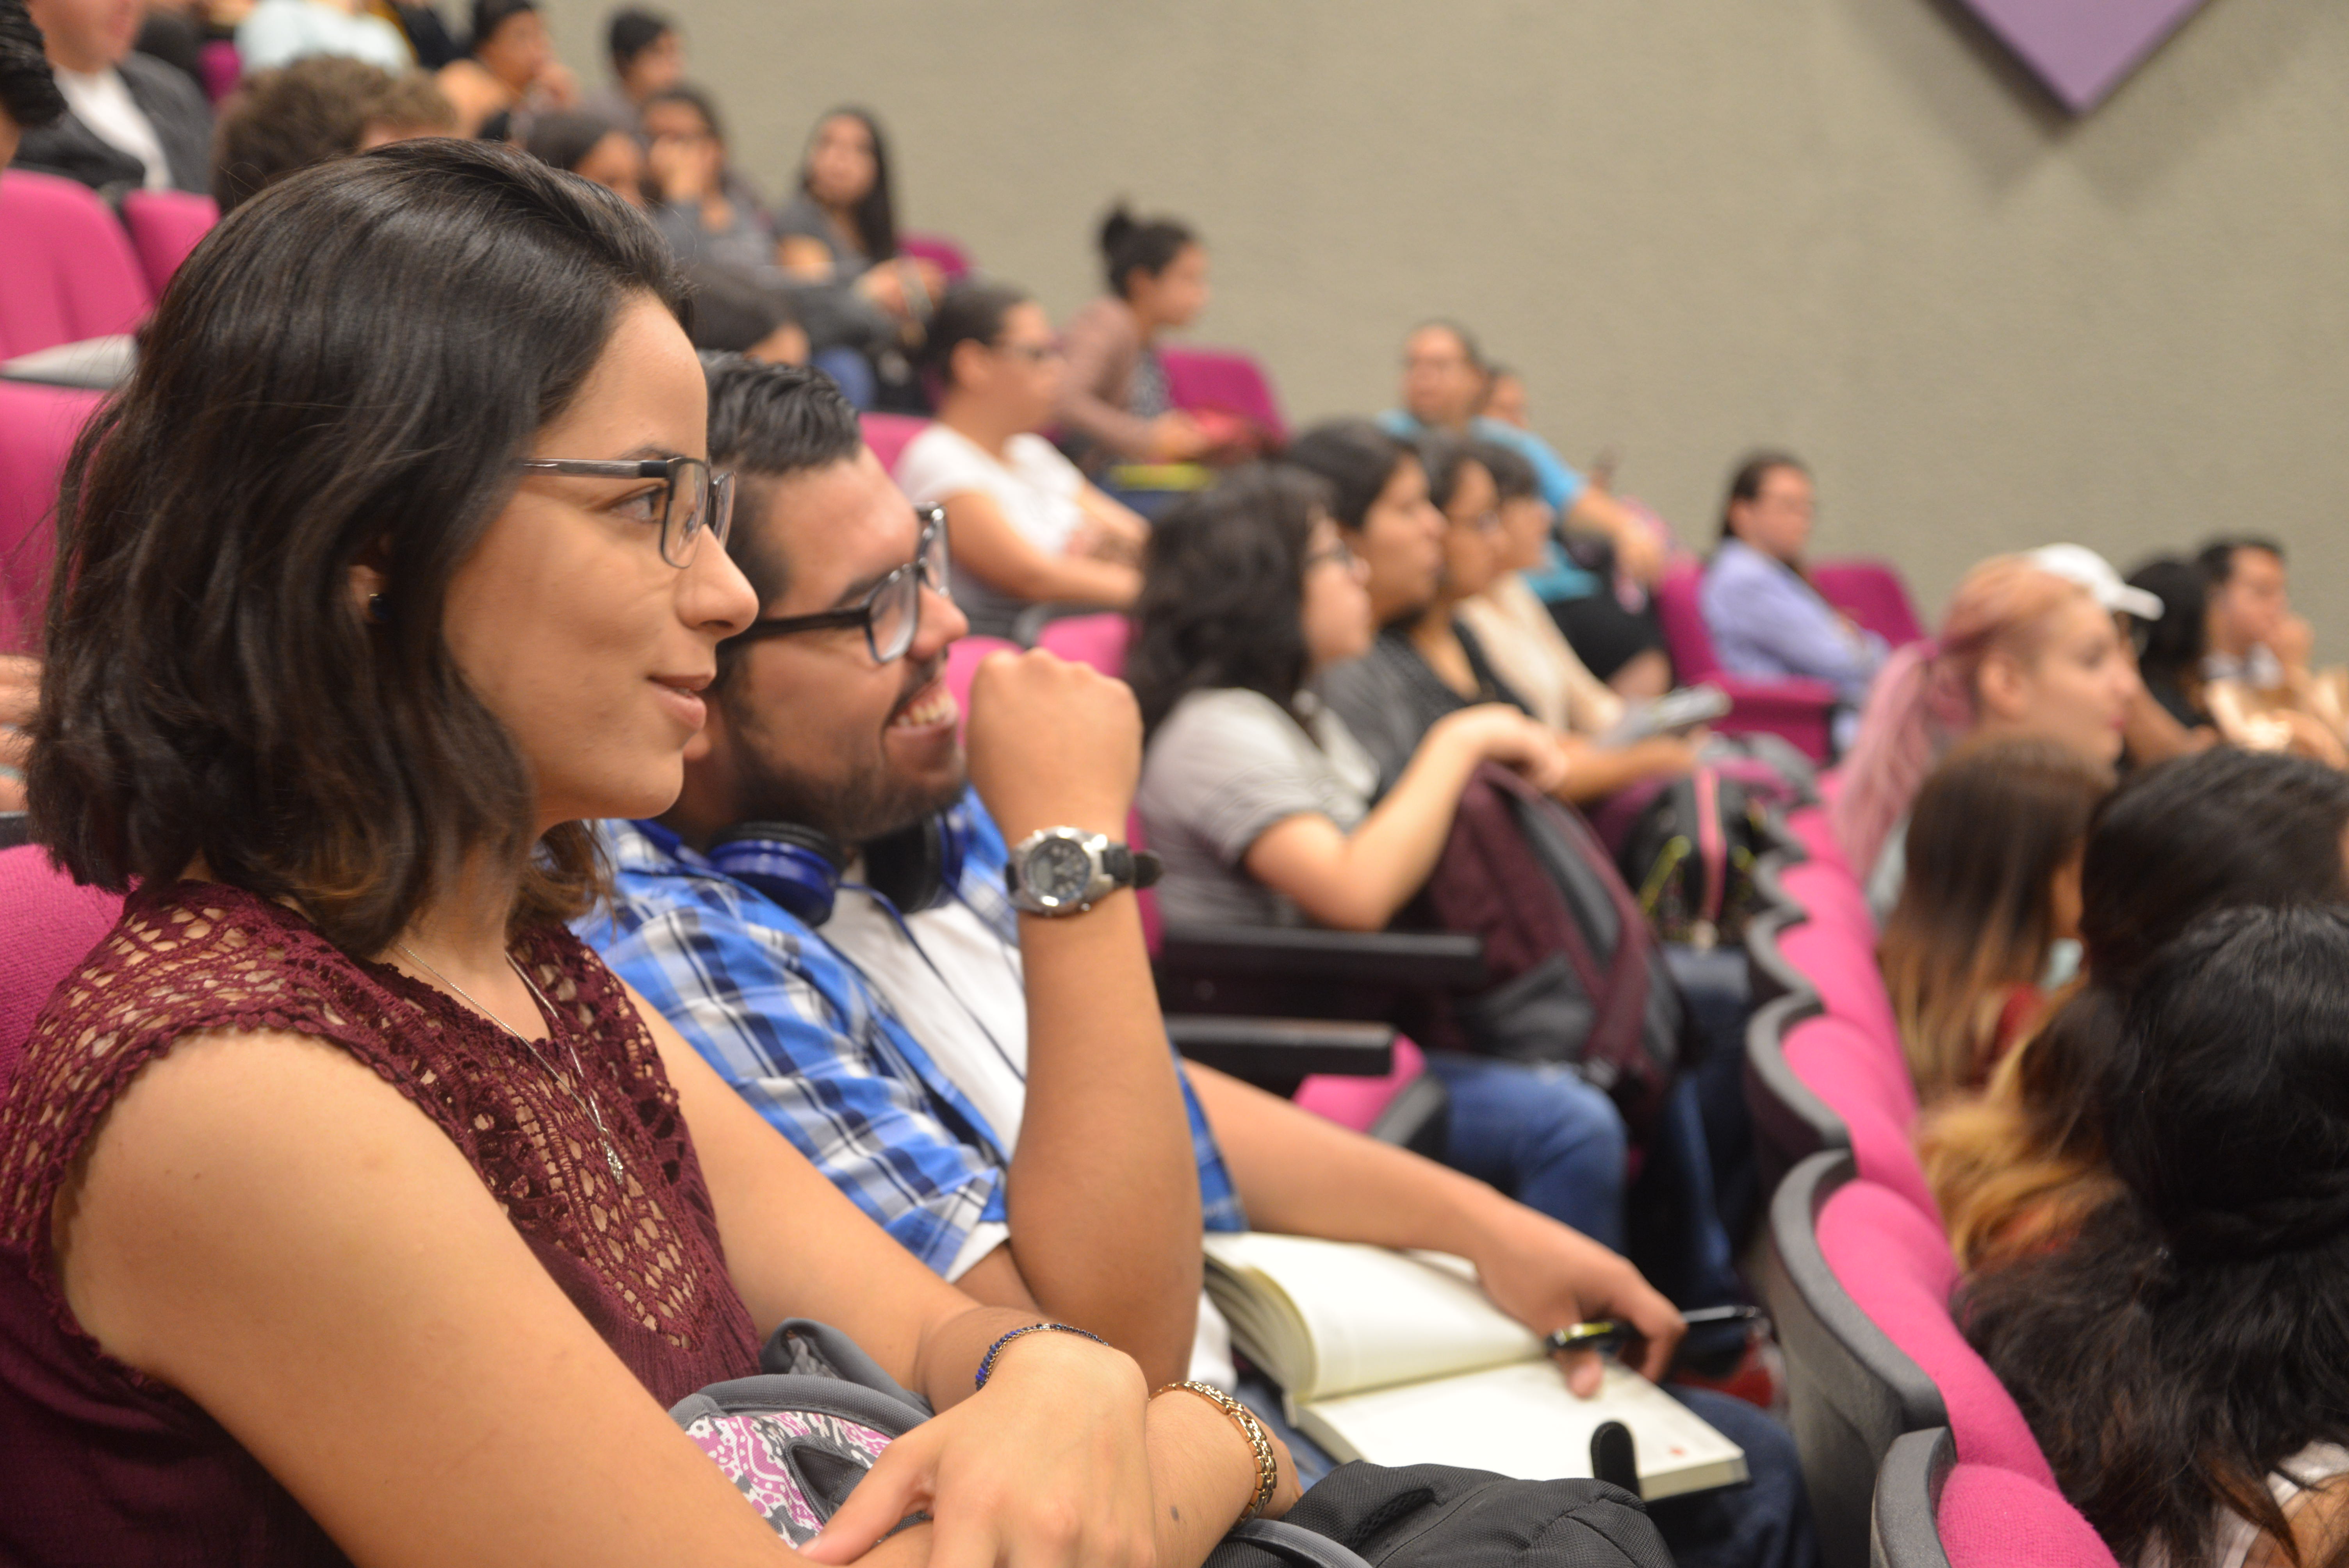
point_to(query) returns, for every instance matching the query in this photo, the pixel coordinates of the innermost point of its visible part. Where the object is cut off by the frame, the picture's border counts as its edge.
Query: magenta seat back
(1814, 830)
(889, 435)
(47, 924)
(948, 257)
(1872, 595)
(1993, 1518)
(222, 67)
(38, 425)
(1831, 895)
(1356, 1102)
(1896, 1265)
(1871, 1096)
(1096, 640)
(66, 269)
(1682, 614)
(164, 227)
(1844, 973)
(1223, 379)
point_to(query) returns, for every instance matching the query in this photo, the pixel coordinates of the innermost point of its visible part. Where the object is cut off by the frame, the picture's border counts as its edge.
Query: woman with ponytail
(2185, 1362)
(2022, 652)
(1114, 405)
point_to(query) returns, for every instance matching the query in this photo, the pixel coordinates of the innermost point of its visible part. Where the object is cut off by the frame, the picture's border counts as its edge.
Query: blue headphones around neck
(916, 868)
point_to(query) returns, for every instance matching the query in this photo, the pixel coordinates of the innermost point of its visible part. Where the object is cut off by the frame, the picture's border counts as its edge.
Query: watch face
(1059, 869)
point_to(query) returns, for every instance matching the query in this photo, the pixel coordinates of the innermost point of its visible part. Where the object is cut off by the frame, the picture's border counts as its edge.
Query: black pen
(1611, 1333)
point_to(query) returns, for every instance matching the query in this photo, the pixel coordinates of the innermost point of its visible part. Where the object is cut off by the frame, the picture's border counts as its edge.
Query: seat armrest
(1390, 960)
(15, 828)
(1260, 1049)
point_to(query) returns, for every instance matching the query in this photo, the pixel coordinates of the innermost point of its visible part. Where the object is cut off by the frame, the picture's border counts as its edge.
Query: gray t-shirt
(1224, 767)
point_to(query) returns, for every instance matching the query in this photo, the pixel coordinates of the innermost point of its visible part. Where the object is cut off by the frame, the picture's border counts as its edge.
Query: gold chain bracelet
(1267, 1467)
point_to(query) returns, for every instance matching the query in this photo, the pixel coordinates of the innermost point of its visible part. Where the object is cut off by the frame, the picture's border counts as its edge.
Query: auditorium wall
(1853, 228)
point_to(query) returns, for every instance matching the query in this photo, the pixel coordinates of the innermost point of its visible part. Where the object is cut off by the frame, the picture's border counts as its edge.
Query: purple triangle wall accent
(2082, 48)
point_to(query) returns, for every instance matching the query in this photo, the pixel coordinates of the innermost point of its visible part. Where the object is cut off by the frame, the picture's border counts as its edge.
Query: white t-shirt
(102, 101)
(960, 990)
(1035, 487)
(280, 32)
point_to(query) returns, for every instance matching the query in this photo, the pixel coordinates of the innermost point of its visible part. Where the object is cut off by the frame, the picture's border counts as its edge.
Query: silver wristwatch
(1066, 871)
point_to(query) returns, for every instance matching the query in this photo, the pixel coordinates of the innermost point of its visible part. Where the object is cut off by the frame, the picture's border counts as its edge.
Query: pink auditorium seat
(222, 67)
(1831, 895)
(1814, 830)
(1224, 379)
(165, 225)
(1356, 1102)
(66, 269)
(1864, 1082)
(38, 425)
(49, 924)
(948, 256)
(1872, 593)
(890, 434)
(1993, 1518)
(1096, 640)
(1897, 1266)
(1795, 709)
(1843, 971)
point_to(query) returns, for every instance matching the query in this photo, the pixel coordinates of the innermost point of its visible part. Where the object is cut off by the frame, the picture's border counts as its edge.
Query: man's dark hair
(767, 422)
(700, 102)
(28, 88)
(489, 15)
(1223, 591)
(1131, 245)
(2217, 557)
(971, 312)
(1513, 476)
(210, 693)
(631, 32)
(282, 121)
(1469, 346)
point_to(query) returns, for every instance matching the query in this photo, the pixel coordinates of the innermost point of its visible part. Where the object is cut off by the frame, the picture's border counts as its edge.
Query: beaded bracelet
(1268, 1468)
(987, 1362)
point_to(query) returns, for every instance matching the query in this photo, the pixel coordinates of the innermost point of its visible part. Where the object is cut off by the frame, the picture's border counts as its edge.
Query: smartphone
(1673, 713)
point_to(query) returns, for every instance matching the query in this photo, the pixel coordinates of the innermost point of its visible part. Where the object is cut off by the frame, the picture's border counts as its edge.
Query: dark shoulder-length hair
(1223, 592)
(2195, 1336)
(876, 215)
(1355, 459)
(344, 372)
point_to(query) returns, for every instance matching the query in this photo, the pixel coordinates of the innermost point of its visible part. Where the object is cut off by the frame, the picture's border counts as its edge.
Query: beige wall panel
(1851, 227)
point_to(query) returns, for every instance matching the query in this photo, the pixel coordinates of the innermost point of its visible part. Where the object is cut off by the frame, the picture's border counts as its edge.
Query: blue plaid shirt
(800, 1033)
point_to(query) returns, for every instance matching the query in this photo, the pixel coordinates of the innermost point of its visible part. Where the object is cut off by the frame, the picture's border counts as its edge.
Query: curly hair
(1223, 592)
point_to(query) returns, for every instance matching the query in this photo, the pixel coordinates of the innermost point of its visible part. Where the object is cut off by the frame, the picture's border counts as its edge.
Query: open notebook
(1401, 1359)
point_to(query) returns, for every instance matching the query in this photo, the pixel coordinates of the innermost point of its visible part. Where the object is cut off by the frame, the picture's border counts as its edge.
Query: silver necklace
(578, 1074)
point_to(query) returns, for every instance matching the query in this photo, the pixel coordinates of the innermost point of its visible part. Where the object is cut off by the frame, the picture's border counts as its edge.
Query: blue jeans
(1540, 1133)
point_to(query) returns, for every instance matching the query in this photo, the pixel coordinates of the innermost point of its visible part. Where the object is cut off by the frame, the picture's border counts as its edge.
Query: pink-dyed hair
(1926, 699)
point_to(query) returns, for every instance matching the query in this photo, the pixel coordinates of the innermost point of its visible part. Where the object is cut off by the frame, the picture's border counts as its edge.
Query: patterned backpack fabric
(796, 1439)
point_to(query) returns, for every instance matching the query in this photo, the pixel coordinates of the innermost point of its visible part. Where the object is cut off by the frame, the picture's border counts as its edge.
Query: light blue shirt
(1558, 580)
(1767, 622)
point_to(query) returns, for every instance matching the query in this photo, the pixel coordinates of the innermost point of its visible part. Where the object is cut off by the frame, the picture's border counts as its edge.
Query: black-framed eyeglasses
(692, 499)
(891, 614)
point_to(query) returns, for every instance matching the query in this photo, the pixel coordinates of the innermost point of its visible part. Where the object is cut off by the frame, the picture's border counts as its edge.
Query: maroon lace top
(103, 1465)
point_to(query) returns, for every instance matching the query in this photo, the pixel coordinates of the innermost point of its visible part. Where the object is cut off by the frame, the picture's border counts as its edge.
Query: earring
(379, 610)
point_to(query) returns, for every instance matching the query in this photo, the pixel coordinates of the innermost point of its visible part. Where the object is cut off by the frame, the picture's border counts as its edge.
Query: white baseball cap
(2078, 563)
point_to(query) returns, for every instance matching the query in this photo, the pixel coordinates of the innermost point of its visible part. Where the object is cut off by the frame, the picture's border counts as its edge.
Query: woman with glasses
(350, 1209)
(1029, 529)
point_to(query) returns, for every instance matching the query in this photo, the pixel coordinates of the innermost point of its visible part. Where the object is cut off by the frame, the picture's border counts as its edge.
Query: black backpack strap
(1255, 1542)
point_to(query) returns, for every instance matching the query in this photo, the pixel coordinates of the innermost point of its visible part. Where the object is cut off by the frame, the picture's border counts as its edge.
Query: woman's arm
(985, 542)
(1303, 1176)
(1357, 881)
(1594, 772)
(1101, 356)
(804, 257)
(1115, 523)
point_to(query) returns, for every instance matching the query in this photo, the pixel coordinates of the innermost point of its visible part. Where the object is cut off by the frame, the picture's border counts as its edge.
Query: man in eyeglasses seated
(825, 915)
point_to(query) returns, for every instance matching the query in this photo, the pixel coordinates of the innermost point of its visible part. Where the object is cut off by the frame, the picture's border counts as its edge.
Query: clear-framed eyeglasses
(691, 499)
(891, 611)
